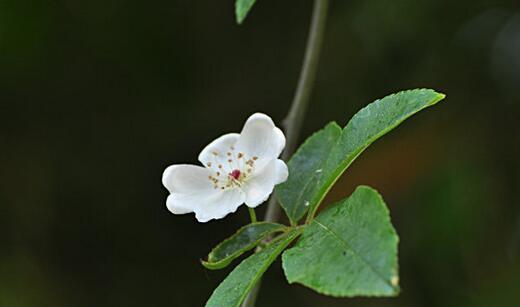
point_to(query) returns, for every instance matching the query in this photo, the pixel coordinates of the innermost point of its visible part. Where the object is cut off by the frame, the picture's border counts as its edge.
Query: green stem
(294, 119)
(252, 214)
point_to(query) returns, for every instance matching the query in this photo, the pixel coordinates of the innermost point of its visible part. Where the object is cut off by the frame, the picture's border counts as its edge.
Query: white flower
(238, 168)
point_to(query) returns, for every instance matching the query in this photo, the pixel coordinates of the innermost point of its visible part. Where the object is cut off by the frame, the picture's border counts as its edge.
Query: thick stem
(294, 119)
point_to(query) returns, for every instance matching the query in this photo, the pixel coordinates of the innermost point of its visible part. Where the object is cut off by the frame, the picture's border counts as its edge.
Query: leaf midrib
(312, 202)
(316, 176)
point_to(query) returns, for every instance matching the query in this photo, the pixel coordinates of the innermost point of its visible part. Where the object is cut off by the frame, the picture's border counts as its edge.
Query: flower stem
(252, 214)
(294, 119)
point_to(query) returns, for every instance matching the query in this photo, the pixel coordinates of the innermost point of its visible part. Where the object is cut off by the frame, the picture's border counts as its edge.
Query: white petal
(261, 138)
(178, 204)
(186, 178)
(220, 205)
(216, 152)
(261, 184)
(207, 206)
(188, 183)
(192, 191)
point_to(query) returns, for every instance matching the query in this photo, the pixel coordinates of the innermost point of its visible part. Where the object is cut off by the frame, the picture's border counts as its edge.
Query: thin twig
(294, 119)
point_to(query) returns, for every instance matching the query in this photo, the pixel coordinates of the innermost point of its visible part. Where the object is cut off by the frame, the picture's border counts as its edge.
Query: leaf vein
(347, 246)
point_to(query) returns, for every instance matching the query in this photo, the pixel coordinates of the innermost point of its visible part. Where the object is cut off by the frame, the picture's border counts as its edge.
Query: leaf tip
(239, 18)
(242, 8)
(217, 265)
(205, 264)
(438, 96)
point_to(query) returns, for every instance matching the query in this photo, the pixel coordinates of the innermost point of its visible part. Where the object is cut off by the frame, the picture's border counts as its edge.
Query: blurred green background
(98, 97)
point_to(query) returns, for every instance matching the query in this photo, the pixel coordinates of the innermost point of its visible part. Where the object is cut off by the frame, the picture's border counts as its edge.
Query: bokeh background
(98, 97)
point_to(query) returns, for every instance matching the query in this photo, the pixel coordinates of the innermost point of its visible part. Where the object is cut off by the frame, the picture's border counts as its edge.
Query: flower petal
(215, 153)
(261, 184)
(192, 191)
(186, 178)
(215, 205)
(220, 204)
(262, 139)
(178, 204)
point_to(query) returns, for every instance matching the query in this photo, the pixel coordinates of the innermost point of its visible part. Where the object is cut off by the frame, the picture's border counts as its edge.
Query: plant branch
(294, 119)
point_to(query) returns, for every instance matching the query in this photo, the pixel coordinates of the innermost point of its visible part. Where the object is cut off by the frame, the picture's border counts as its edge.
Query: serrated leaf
(233, 290)
(305, 169)
(246, 238)
(350, 249)
(242, 8)
(369, 124)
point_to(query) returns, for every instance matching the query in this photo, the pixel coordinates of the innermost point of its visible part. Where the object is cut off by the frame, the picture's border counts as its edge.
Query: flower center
(235, 174)
(230, 169)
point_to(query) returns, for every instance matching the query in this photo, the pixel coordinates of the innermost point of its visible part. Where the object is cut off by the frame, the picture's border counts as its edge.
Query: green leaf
(242, 7)
(350, 249)
(246, 238)
(304, 174)
(313, 170)
(232, 291)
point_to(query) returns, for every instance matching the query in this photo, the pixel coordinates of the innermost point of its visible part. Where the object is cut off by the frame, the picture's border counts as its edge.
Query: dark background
(98, 97)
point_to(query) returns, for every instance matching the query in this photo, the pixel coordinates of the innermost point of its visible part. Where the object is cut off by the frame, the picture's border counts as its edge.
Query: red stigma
(235, 174)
